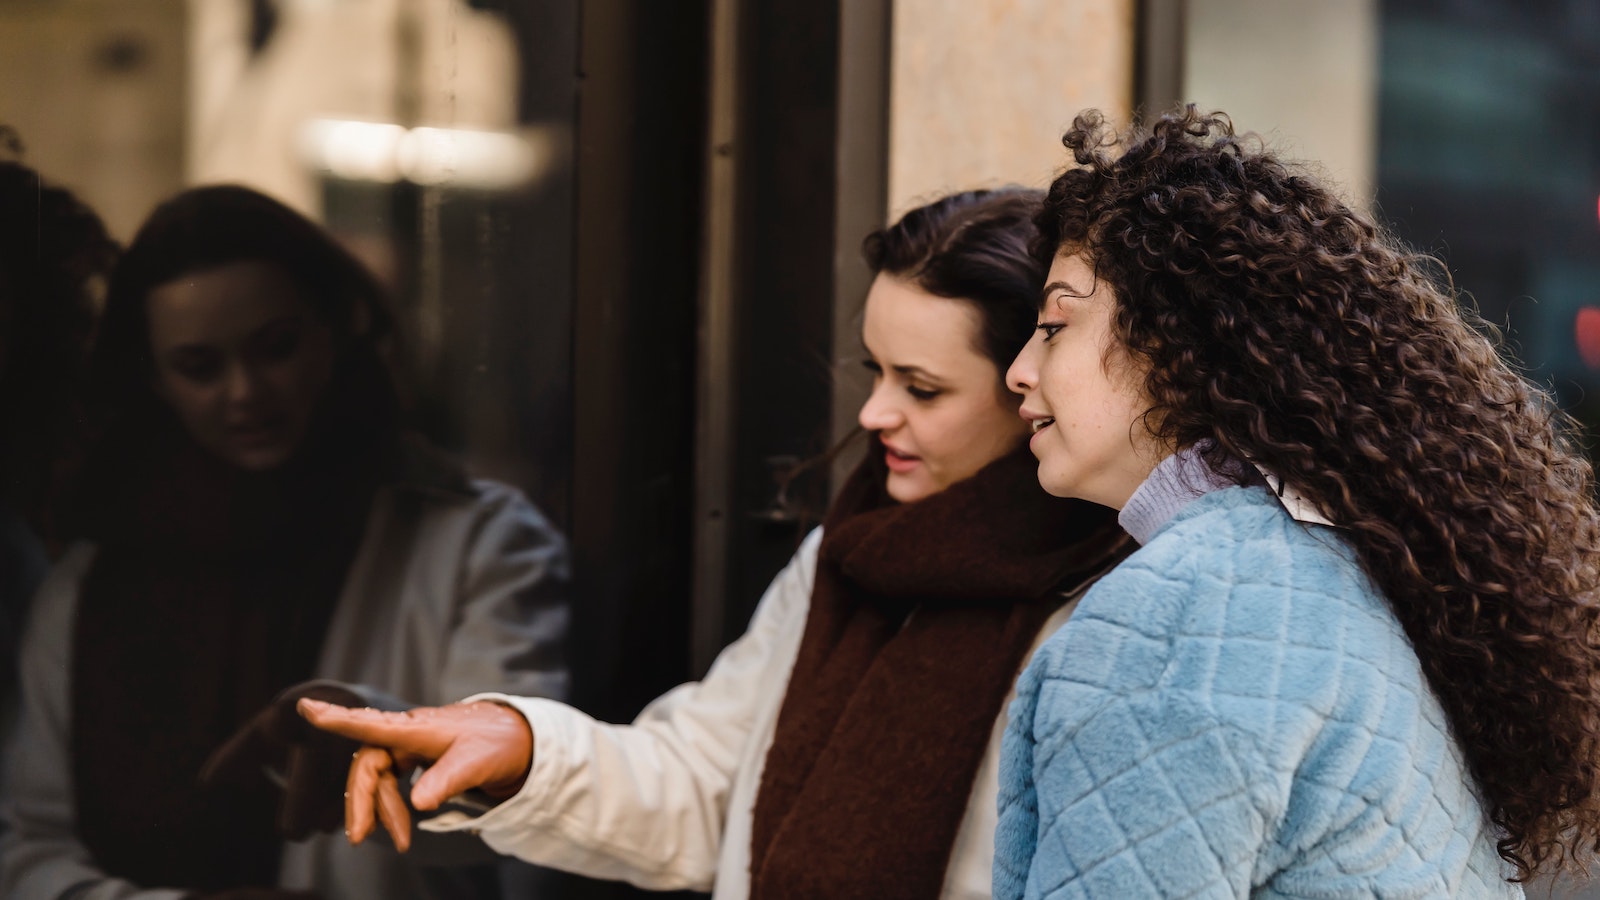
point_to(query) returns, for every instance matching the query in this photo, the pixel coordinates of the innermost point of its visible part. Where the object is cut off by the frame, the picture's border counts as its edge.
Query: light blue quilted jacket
(1234, 712)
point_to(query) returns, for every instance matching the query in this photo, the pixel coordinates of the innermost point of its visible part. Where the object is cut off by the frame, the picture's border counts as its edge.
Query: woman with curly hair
(1356, 653)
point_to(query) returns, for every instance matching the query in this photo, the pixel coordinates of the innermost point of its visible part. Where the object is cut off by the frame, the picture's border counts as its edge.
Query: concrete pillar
(980, 93)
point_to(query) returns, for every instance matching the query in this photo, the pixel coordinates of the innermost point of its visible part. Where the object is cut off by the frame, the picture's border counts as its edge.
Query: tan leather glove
(480, 745)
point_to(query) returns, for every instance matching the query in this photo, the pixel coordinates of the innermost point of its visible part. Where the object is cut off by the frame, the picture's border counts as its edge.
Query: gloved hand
(465, 745)
(312, 763)
(256, 894)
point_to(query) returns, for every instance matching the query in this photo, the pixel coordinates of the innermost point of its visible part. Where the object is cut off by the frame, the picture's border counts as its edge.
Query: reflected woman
(254, 516)
(846, 744)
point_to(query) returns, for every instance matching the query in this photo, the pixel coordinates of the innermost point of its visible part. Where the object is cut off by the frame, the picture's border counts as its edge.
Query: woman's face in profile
(242, 359)
(937, 403)
(1081, 395)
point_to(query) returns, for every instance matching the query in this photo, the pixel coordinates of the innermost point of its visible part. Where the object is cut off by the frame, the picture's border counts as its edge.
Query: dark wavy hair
(208, 227)
(973, 246)
(1280, 326)
(55, 255)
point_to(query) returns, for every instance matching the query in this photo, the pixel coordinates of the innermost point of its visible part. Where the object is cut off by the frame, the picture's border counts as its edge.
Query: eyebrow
(909, 371)
(918, 372)
(204, 346)
(188, 349)
(1054, 286)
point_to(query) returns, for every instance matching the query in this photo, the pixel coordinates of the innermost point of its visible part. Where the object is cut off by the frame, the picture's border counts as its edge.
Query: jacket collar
(1183, 478)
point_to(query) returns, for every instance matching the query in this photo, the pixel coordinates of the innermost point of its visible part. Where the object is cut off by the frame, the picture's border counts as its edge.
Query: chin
(1056, 487)
(259, 460)
(903, 490)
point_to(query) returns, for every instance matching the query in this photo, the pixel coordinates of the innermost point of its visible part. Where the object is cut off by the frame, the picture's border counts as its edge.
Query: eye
(922, 394)
(279, 342)
(1050, 329)
(198, 366)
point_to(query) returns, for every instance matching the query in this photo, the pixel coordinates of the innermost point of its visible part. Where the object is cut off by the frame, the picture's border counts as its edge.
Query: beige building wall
(127, 102)
(1302, 73)
(410, 62)
(95, 90)
(981, 90)
(979, 94)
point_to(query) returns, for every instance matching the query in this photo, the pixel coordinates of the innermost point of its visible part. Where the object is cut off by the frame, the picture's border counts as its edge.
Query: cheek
(302, 381)
(963, 441)
(192, 402)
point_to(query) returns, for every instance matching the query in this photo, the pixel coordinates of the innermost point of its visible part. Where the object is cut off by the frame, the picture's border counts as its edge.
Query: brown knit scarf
(920, 616)
(209, 594)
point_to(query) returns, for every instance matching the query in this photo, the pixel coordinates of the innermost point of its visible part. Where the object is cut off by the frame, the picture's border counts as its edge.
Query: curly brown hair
(1278, 325)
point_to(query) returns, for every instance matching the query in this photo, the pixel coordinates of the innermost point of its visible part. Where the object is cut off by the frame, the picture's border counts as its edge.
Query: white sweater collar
(1184, 477)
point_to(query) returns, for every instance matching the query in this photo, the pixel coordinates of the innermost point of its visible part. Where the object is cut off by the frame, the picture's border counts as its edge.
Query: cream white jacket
(666, 802)
(453, 590)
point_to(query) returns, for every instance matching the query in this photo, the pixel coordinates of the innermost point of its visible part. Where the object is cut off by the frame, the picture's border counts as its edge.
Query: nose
(242, 383)
(880, 412)
(1024, 371)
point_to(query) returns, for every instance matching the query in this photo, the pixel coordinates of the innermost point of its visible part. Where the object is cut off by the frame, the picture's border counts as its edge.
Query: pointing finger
(416, 732)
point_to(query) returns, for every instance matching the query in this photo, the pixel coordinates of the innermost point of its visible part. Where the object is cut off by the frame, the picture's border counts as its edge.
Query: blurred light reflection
(458, 157)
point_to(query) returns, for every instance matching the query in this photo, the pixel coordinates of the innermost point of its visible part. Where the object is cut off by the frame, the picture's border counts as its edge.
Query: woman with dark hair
(845, 746)
(253, 515)
(54, 257)
(1356, 654)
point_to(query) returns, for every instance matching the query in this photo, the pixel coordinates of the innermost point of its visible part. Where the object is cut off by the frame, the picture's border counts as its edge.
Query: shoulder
(805, 558)
(54, 606)
(69, 570)
(1233, 599)
(1253, 572)
(483, 525)
(470, 500)
(788, 596)
(1240, 546)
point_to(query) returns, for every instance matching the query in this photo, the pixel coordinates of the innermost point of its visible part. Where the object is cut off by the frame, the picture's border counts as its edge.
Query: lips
(899, 461)
(1038, 421)
(258, 432)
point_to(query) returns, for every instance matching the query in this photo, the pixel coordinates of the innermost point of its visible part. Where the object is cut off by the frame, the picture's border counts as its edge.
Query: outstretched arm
(644, 803)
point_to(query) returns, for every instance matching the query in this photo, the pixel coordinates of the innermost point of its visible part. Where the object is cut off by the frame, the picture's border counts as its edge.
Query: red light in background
(1587, 332)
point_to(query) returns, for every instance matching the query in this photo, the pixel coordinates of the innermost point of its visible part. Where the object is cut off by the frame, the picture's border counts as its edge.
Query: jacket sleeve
(512, 620)
(508, 629)
(40, 855)
(508, 623)
(647, 802)
(1117, 784)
